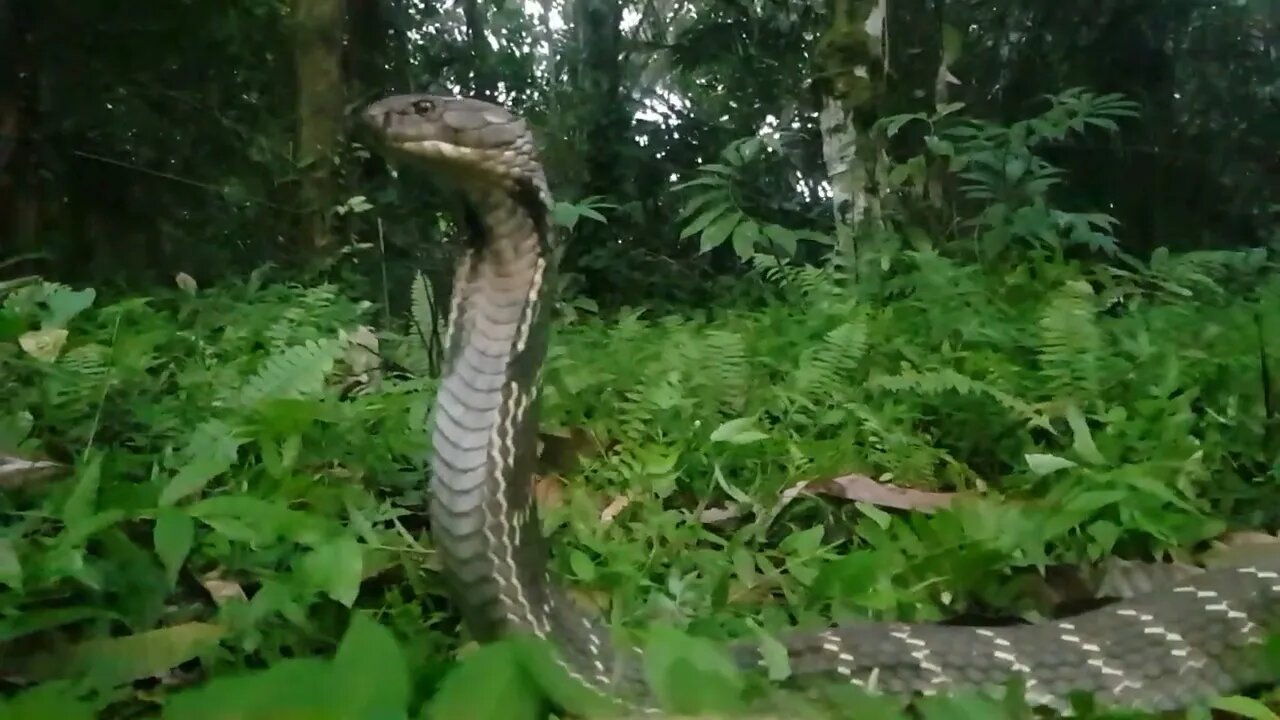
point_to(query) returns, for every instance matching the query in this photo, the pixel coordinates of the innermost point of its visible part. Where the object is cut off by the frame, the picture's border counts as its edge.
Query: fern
(295, 372)
(722, 366)
(937, 382)
(426, 323)
(1070, 343)
(79, 375)
(806, 280)
(297, 322)
(826, 370)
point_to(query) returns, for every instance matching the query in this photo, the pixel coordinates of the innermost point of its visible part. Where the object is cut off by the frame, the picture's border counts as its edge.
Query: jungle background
(919, 309)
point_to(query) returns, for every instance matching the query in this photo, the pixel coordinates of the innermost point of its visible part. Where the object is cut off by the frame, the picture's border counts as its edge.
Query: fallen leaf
(864, 488)
(548, 492)
(618, 505)
(222, 590)
(1240, 548)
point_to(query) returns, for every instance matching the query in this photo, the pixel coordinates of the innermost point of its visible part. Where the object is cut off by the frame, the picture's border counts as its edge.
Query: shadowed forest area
(951, 313)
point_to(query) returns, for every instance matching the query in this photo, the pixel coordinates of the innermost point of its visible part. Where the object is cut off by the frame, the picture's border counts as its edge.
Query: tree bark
(318, 32)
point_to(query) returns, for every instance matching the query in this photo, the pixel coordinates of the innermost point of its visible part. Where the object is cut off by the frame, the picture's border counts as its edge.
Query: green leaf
(782, 238)
(48, 701)
(1244, 707)
(64, 304)
(268, 520)
(82, 503)
(154, 653)
(582, 565)
(745, 237)
(336, 568)
(1082, 441)
(705, 219)
(489, 684)
(719, 230)
(34, 621)
(804, 544)
(738, 431)
(690, 675)
(10, 565)
(212, 450)
(172, 536)
(373, 672)
(1043, 464)
(774, 654)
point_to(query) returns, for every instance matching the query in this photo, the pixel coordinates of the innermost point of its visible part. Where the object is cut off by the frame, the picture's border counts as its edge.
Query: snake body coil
(1158, 651)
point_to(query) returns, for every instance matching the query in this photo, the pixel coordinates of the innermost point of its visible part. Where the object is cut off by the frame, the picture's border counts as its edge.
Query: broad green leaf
(336, 568)
(83, 501)
(489, 684)
(1245, 707)
(718, 231)
(582, 565)
(1082, 441)
(782, 238)
(776, 660)
(268, 520)
(1043, 464)
(738, 431)
(48, 701)
(690, 675)
(373, 672)
(64, 304)
(706, 218)
(745, 237)
(212, 450)
(34, 621)
(154, 653)
(296, 688)
(10, 565)
(172, 536)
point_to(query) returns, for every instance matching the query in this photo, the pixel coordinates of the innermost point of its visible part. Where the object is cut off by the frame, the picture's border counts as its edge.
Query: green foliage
(231, 503)
(714, 208)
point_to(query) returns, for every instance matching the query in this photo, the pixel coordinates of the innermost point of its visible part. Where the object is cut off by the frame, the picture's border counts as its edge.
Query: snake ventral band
(1162, 650)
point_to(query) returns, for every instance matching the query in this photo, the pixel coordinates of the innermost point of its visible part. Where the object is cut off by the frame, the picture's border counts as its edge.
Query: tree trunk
(848, 62)
(318, 31)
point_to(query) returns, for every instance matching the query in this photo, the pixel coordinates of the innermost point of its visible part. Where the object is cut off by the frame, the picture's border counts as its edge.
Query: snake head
(471, 140)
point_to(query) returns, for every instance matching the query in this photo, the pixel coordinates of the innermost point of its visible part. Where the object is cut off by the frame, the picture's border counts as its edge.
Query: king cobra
(1161, 650)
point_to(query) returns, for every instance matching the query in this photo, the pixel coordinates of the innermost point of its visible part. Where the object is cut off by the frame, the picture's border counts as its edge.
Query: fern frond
(80, 374)
(826, 371)
(1070, 342)
(297, 371)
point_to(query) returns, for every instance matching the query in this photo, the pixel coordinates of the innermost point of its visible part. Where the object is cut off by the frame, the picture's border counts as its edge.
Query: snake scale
(1161, 650)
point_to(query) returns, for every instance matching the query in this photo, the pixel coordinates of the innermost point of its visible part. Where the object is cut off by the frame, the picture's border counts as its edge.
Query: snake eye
(423, 107)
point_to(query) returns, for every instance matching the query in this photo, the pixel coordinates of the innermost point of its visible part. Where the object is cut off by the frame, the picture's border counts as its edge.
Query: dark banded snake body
(1161, 650)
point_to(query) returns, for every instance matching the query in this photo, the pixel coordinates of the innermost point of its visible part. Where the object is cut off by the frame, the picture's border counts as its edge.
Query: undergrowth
(242, 481)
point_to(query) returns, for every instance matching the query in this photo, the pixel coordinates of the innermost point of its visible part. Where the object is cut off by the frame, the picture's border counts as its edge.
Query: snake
(1160, 650)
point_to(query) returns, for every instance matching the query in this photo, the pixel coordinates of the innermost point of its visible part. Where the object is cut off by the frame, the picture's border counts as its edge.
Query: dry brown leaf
(548, 492)
(220, 589)
(1240, 548)
(611, 511)
(864, 488)
(714, 515)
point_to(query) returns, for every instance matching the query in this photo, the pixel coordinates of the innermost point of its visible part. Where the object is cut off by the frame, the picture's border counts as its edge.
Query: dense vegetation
(1050, 350)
